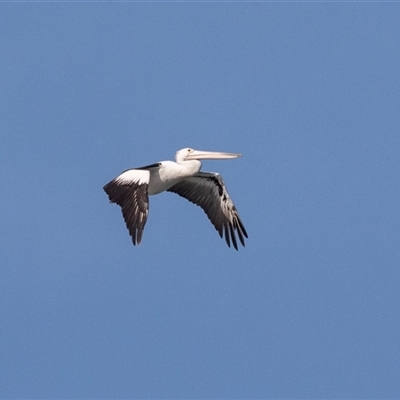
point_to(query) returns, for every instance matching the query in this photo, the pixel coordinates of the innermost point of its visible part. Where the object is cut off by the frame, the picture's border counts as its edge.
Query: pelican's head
(188, 154)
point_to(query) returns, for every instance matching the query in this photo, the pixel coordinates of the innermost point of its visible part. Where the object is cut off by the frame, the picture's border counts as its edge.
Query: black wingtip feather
(233, 237)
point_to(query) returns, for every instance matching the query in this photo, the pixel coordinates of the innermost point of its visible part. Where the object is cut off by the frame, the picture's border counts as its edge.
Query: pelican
(131, 190)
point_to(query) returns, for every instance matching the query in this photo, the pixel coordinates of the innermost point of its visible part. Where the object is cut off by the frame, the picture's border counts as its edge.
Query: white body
(169, 173)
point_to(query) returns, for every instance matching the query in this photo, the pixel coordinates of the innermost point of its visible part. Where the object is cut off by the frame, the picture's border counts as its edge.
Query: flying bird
(131, 190)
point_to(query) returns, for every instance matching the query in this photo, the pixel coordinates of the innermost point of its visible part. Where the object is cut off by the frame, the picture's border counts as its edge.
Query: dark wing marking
(208, 191)
(130, 191)
(156, 165)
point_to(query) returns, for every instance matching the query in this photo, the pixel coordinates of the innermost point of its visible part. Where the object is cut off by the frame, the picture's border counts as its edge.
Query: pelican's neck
(189, 167)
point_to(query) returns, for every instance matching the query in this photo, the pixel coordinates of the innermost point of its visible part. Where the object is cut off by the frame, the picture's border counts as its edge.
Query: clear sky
(308, 92)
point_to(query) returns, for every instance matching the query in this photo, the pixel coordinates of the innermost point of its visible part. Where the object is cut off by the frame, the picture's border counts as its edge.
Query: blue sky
(308, 92)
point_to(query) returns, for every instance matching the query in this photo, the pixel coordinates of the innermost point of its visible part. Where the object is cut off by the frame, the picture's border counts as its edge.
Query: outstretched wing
(130, 191)
(207, 190)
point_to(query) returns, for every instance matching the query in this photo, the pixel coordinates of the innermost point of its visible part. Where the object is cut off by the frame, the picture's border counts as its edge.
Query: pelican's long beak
(210, 155)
